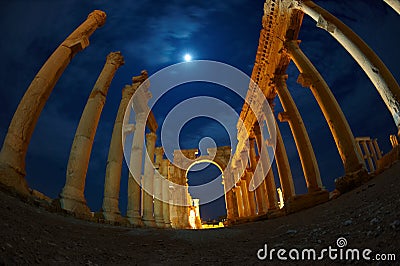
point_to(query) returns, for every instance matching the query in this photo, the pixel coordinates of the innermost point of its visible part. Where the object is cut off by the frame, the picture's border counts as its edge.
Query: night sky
(154, 34)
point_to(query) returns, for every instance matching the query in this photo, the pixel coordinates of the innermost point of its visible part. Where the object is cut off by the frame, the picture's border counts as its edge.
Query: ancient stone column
(158, 190)
(228, 181)
(16, 142)
(72, 195)
(395, 4)
(303, 144)
(245, 197)
(134, 190)
(148, 181)
(368, 155)
(344, 139)
(261, 190)
(165, 192)
(271, 193)
(372, 65)
(112, 180)
(283, 166)
(251, 194)
(239, 199)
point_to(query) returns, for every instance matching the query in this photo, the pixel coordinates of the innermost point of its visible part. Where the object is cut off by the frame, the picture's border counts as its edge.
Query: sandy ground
(368, 217)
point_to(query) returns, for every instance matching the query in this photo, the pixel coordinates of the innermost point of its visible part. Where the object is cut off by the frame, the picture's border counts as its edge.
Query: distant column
(165, 192)
(303, 144)
(112, 180)
(16, 142)
(228, 184)
(72, 195)
(158, 190)
(147, 182)
(271, 196)
(250, 193)
(239, 199)
(245, 197)
(344, 139)
(134, 190)
(261, 190)
(283, 166)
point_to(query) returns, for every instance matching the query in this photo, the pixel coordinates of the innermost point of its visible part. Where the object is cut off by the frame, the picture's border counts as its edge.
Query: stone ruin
(278, 45)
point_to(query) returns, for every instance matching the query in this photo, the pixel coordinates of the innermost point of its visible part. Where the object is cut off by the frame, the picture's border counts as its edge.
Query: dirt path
(368, 217)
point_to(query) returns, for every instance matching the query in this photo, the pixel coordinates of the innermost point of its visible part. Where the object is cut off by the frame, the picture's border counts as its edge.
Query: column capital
(115, 58)
(305, 80)
(283, 117)
(143, 76)
(151, 137)
(99, 16)
(280, 78)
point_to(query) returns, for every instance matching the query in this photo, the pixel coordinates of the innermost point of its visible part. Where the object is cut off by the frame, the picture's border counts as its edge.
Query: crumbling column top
(99, 16)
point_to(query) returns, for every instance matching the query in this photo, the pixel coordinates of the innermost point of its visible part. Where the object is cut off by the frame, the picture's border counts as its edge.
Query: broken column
(72, 195)
(16, 142)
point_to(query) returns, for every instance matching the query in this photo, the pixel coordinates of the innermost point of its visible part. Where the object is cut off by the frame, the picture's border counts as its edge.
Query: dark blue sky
(155, 34)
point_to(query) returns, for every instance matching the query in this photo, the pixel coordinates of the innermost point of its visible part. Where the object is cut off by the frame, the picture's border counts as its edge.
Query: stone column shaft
(16, 142)
(72, 198)
(165, 192)
(300, 135)
(272, 199)
(373, 152)
(245, 198)
(148, 184)
(372, 65)
(112, 180)
(239, 199)
(250, 193)
(134, 180)
(395, 4)
(158, 190)
(283, 166)
(261, 190)
(368, 155)
(334, 116)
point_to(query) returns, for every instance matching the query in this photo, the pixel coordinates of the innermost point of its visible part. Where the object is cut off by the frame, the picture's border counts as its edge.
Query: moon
(187, 57)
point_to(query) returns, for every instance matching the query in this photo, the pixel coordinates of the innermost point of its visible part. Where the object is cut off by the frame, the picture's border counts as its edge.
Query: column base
(350, 181)
(72, 201)
(167, 225)
(160, 223)
(149, 223)
(305, 201)
(13, 180)
(136, 221)
(110, 210)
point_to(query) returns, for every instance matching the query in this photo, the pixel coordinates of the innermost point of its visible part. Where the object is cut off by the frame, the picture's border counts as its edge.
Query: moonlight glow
(187, 57)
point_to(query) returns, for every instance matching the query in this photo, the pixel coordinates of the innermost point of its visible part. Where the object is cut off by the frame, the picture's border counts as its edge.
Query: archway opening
(212, 213)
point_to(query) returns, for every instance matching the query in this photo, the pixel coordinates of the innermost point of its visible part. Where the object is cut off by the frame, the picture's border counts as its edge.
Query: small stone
(291, 232)
(395, 224)
(374, 221)
(347, 222)
(9, 245)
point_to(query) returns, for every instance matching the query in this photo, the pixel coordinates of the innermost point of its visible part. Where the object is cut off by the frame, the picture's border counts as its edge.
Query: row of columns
(369, 150)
